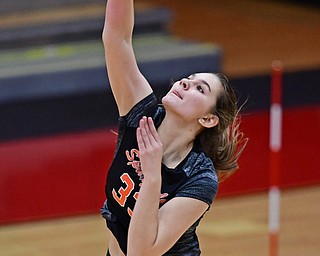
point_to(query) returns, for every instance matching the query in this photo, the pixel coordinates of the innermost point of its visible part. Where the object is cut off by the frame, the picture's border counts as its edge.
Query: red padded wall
(300, 150)
(65, 175)
(47, 177)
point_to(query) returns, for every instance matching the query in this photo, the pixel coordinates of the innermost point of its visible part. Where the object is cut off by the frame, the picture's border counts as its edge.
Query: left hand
(150, 147)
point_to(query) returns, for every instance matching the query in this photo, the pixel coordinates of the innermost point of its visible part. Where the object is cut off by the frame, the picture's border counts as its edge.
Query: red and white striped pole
(275, 149)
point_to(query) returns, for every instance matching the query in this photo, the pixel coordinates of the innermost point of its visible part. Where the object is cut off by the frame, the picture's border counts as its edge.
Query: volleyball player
(169, 158)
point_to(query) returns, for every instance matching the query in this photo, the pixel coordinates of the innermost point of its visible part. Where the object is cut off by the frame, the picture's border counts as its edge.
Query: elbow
(112, 38)
(108, 40)
(105, 35)
(108, 33)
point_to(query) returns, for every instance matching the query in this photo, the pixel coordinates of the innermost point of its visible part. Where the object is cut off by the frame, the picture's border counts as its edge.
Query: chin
(171, 105)
(169, 101)
(165, 99)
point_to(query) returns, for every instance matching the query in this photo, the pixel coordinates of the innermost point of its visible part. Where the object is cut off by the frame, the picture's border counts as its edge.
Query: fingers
(153, 130)
(140, 139)
(143, 135)
(147, 134)
(150, 146)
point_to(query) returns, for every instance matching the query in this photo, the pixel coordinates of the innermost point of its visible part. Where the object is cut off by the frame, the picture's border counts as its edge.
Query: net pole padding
(275, 145)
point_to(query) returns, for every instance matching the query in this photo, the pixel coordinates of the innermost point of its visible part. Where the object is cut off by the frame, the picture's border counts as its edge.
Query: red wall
(300, 151)
(65, 175)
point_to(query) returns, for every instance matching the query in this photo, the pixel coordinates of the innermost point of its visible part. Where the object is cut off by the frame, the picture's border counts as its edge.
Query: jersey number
(123, 193)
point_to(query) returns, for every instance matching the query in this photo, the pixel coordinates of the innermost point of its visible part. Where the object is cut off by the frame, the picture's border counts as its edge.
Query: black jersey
(194, 177)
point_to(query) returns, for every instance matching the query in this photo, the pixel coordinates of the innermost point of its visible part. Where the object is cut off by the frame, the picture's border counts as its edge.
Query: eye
(200, 89)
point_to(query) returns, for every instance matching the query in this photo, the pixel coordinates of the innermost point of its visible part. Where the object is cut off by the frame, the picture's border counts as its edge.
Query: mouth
(177, 94)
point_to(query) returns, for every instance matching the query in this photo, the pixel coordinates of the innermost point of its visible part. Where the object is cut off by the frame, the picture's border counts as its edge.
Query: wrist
(152, 179)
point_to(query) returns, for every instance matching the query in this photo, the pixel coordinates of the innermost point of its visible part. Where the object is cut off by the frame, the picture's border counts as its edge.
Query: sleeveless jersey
(194, 177)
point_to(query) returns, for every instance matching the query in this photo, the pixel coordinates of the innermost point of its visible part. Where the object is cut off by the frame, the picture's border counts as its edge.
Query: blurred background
(57, 115)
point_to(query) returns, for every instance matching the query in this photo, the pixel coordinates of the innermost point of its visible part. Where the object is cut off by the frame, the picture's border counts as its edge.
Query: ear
(209, 121)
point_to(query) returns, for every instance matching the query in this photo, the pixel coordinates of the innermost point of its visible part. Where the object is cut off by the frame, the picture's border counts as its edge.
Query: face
(193, 97)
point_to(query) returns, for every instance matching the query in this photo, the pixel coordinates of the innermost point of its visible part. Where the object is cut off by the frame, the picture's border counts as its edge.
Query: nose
(185, 84)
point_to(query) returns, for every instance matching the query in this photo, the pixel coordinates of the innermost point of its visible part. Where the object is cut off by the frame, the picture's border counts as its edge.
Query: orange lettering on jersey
(134, 162)
(129, 212)
(131, 155)
(123, 192)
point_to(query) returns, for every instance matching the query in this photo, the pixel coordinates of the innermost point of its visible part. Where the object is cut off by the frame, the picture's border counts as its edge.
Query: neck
(177, 137)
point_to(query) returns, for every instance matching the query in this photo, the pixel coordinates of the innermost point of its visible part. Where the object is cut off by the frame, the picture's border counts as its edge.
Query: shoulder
(202, 181)
(200, 169)
(199, 162)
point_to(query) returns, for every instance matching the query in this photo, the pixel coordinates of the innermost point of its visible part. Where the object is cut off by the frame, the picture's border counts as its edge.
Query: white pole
(275, 149)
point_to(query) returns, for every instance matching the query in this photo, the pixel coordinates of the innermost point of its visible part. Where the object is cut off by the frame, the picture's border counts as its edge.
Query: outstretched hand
(150, 147)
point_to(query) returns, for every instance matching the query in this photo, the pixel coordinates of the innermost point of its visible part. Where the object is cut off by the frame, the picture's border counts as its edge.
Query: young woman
(169, 157)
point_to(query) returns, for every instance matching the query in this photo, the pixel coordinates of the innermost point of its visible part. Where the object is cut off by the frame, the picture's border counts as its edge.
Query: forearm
(143, 227)
(128, 85)
(119, 20)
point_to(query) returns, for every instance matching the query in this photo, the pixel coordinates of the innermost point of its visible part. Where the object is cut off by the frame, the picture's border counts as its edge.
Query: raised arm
(127, 83)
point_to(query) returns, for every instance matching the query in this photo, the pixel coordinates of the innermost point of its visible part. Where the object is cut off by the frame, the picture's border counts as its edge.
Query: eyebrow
(201, 81)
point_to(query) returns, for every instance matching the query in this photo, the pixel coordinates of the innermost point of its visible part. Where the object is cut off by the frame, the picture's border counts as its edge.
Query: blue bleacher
(49, 79)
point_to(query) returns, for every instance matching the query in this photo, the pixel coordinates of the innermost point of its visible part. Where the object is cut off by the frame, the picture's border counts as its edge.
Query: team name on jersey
(126, 190)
